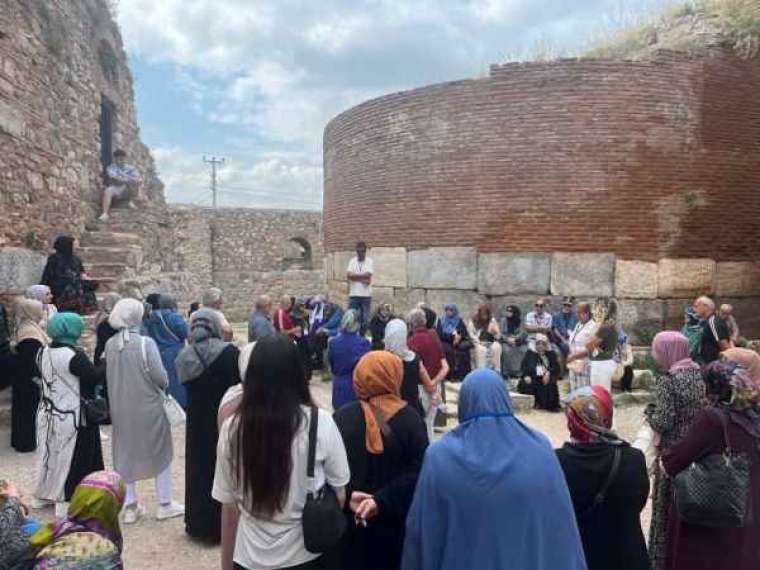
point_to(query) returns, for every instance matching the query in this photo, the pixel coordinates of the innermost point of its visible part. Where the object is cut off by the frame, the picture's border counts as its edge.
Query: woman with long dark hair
(261, 464)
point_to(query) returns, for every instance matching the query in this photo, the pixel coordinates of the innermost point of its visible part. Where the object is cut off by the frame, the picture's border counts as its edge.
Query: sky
(256, 81)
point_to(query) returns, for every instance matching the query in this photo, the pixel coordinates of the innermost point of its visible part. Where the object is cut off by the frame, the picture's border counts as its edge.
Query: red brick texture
(643, 159)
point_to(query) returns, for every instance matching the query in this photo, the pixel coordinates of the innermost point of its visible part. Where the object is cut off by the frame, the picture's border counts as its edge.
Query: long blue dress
(344, 352)
(169, 330)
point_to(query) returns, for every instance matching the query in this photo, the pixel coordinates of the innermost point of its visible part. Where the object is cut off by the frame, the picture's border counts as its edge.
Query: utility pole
(213, 161)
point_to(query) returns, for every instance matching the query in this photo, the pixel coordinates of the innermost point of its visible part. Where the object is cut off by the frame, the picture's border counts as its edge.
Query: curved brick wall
(645, 160)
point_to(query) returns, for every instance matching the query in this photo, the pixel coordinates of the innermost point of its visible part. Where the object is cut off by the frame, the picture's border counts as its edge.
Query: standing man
(359, 277)
(213, 299)
(577, 361)
(122, 183)
(260, 324)
(715, 334)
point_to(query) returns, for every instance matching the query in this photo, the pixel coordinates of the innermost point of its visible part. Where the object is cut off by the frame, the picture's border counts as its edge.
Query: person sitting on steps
(122, 183)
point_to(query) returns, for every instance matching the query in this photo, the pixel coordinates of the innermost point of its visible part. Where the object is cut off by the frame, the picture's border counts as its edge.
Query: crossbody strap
(601, 495)
(724, 424)
(313, 423)
(166, 327)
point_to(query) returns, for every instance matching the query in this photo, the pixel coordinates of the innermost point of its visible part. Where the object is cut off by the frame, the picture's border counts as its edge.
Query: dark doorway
(107, 124)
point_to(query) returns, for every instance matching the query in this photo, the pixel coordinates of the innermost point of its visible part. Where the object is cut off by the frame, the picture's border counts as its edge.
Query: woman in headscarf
(42, 294)
(692, 330)
(300, 317)
(416, 377)
(89, 536)
(343, 352)
(485, 334)
(491, 494)
(103, 330)
(513, 342)
(16, 552)
(540, 372)
(207, 367)
(30, 339)
(736, 398)
(63, 274)
(67, 447)
(167, 327)
(747, 359)
(607, 498)
(452, 331)
(601, 347)
(385, 442)
(141, 435)
(377, 324)
(679, 394)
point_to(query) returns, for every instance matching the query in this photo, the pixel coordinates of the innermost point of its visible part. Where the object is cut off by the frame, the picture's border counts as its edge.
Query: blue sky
(256, 81)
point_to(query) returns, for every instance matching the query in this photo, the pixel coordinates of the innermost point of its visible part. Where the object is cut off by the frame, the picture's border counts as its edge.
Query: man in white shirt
(538, 321)
(122, 183)
(359, 275)
(213, 299)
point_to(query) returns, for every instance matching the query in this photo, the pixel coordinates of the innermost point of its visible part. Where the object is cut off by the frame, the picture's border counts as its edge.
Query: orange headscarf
(377, 384)
(747, 359)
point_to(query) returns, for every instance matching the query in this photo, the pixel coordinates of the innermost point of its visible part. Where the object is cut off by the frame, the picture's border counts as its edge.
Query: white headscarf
(395, 340)
(126, 317)
(30, 313)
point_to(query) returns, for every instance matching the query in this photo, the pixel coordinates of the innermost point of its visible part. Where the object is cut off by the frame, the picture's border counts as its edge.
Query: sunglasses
(539, 306)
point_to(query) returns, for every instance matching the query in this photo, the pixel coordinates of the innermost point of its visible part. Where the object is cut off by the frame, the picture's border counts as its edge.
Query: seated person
(514, 342)
(383, 315)
(540, 372)
(16, 550)
(623, 358)
(563, 323)
(485, 334)
(456, 342)
(538, 321)
(122, 183)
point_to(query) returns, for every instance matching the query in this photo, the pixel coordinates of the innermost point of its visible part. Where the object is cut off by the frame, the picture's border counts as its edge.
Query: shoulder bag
(715, 491)
(323, 520)
(174, 412)
(601, 495)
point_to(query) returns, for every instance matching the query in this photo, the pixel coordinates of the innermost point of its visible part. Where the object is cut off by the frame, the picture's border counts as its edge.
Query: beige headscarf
(30, 315)
(747, 359)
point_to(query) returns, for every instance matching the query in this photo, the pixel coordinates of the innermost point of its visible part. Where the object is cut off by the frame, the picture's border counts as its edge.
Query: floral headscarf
(589, 415)
(731, 387)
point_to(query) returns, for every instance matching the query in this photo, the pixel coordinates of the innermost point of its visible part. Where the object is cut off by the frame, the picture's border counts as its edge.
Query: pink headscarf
(746, 358)
(671, 351)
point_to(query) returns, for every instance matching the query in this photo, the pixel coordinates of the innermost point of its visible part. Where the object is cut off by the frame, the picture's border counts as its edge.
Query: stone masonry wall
(58, 61)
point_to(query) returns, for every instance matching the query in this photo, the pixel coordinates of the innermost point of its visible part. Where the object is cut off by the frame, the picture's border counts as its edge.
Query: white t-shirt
(357, 288)
(263, 544)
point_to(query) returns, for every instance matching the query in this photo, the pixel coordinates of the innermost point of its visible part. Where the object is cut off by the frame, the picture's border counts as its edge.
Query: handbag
(174, 412)
(715, 491)
(96, 411)
(601, 495)
(323, 519)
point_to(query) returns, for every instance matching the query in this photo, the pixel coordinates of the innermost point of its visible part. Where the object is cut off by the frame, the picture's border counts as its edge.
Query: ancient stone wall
(61, 63)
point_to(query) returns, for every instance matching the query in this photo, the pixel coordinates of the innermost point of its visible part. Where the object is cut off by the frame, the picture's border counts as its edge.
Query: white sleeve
(224, 489)
(337, 473)
(530, 319)
(110, 170)
(369, 266)
(351, 266)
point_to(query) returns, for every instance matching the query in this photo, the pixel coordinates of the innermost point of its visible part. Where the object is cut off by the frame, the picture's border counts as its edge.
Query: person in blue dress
(344, 351)
(167, 327)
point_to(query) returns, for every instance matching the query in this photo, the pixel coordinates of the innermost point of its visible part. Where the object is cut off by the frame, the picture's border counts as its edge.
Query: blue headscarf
(450, 324)
(491, 494)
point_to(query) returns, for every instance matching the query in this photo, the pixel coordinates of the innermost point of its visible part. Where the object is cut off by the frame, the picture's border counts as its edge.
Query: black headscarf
(153, 300)
(513, 323)
(64, 246)
(430, 317)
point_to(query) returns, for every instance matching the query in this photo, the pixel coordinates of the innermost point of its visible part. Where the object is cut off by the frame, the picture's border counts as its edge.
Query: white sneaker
(37, 504)
(61, 510)
(103, 218)
(131, 205)
(133, 513)
(170, 511)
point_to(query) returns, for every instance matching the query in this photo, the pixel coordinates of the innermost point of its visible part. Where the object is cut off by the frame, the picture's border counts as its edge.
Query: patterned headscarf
(66, 328)
(377, 384)
(731, 386)
(89, 536)
(748, 359)
(589, 415)
(37, 292)
(671, 351)
(205, 346)
(350, 322)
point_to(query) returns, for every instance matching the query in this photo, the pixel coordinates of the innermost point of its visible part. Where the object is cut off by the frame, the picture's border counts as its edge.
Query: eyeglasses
(539, 306)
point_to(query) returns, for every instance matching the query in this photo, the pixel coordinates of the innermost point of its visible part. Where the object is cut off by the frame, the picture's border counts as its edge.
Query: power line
(213, 161)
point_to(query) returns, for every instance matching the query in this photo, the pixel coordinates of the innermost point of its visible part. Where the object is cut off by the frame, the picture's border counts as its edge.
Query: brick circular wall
(641, 159)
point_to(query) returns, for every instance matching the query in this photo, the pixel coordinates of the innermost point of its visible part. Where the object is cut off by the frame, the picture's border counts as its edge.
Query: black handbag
(715, 491)
(323, 520)
(96, 411)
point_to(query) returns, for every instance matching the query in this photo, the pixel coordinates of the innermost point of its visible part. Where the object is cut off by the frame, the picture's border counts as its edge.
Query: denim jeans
(363, 305)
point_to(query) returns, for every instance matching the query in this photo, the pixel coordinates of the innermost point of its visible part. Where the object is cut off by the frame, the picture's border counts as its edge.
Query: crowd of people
(491, 493)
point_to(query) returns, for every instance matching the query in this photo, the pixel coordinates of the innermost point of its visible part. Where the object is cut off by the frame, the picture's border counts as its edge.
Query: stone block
(404, 300)
(467, 301)
(643, 380)
(641, 319)
(504, 273)
(381, 295)
(11, 120)
(685, 277)
(524, 302)
(738, 279)
(673, 313)
(443, 268)
(338, 291)
(579, 274)
(390, 266)
(747, 313)
(635, 279)
(340, 264)
(20, 268)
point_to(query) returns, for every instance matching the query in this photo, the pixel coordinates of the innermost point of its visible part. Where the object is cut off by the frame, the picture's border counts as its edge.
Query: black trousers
(324, 562)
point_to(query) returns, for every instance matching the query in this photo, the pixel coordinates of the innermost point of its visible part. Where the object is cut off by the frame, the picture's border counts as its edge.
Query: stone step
(107, 285)
(128, 255)
(105, 270)
(107, 238)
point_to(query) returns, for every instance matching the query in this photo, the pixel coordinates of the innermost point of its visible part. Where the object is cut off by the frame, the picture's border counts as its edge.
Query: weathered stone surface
(747, 313)
(467, 301)
(635, 279)
(340, 264)
(685, 277)
(579, 274)
(381, 295)
(641, 319)
(20, 268)
(738, 278)
(643, 380)
(390, 266)
(11, 120)
(524, 302)
(636, 398)
(515, 273)
(674, 312)
(338, 291)
(443, 268)
(328, 266)
(404, 300)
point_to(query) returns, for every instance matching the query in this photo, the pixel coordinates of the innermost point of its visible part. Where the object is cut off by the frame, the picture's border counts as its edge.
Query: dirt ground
(151, 544)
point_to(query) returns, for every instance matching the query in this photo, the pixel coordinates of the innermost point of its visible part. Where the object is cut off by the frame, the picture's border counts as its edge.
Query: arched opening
(297, 254)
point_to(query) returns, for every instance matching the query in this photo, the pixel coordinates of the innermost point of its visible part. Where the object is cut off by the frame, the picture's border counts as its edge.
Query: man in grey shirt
(260, 324)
